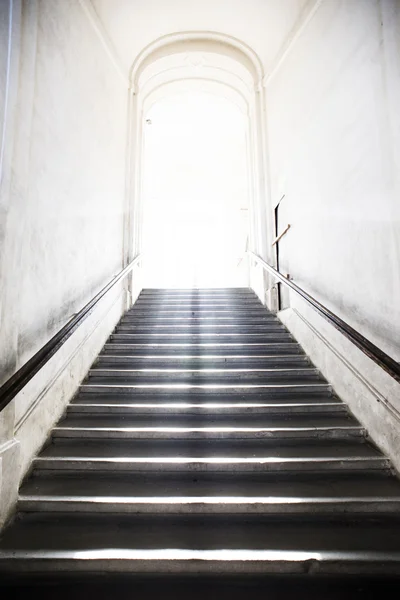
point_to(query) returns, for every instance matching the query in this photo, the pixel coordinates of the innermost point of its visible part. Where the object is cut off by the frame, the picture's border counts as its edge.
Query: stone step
(174, 409)
(184, 361)
(201, 329)
(194, 292)
(209, 376)
(202, 348)
(222, 392)
(204, 505)
(199, 544)
(198, 312)
(335, 485)
(230, 427)
(211, 420)
(239, 320)
(195, 465)
(210, 456)
(210, 338)
(217, 301)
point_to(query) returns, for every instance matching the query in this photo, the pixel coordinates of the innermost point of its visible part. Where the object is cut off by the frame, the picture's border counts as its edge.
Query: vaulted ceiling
(264, 25)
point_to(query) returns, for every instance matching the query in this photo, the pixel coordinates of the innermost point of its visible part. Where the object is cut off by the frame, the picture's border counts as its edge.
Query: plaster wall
(264, 25)
(334, 154)
(334, 144)
(62, 209)
(4, 54)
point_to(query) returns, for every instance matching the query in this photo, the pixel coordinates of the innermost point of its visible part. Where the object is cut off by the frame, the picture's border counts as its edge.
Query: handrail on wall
(19, 380)
(373, 352)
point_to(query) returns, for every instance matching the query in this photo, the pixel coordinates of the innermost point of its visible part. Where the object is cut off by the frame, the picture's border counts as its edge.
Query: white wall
(334, 145)
(264, 25)
(62, 209)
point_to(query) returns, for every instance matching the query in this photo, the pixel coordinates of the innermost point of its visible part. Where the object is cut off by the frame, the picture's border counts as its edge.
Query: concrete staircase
(204, 442)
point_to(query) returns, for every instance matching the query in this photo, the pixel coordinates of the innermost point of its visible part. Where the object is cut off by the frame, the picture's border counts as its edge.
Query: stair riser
(90, 396)
(271, 410)
(226, 300)
(242, 308)
(336, 487)
(225, 420)
(280, 401)
(241, 317)
(226, 506)
(199, 349)
(202, 338)
(322, 467)
(197, 563)
(211, 394)
(240, 321)
(268, 436)
(200, 381)
(225, 291)
(217, 302)
(185, 362)
(210, 312)
(117, 377)
(204, 296)
(199, 330)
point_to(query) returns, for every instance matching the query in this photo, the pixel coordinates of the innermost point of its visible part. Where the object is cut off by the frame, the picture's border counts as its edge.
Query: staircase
(204, 442)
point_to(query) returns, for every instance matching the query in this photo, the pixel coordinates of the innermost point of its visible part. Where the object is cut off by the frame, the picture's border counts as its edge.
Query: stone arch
(191, 41)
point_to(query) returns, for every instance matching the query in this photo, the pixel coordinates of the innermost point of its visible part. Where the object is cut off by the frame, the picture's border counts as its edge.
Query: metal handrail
(373, 352)
(19, 380)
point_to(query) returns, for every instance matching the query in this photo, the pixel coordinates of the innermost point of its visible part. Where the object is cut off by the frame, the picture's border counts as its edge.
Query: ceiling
(264, 25)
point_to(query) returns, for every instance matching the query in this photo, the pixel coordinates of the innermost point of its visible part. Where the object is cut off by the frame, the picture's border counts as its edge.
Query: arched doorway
(195, 193)
(177, 66)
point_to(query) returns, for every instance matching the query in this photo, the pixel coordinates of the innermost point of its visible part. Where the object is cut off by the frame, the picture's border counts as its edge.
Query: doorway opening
(195, 193)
